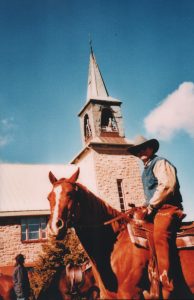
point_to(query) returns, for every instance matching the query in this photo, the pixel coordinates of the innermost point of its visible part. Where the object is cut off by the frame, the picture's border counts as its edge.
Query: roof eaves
(110, 144)
(73, 161)
(24, 213)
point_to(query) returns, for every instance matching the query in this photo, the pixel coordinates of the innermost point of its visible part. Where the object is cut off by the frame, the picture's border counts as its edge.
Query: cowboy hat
(141, 142)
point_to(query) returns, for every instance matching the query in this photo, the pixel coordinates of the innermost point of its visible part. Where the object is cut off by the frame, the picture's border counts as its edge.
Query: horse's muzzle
(57, 229)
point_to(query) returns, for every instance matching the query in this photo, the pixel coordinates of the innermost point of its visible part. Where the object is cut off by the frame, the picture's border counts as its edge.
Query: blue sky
(145, 50)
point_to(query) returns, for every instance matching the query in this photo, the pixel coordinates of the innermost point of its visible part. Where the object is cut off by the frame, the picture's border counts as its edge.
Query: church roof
(96, 86)
(24, 188)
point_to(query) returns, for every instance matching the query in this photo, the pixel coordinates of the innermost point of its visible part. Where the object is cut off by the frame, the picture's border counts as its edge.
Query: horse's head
(61, 200)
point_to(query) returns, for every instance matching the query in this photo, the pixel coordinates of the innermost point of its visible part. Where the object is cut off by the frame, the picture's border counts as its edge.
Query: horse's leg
(136, 276)
(184, 276)
(129, 263)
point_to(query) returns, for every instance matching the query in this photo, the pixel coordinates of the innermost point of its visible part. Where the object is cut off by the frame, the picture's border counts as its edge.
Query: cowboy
(164, 205)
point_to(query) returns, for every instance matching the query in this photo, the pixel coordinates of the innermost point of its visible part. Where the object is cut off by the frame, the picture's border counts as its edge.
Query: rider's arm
(166, 176)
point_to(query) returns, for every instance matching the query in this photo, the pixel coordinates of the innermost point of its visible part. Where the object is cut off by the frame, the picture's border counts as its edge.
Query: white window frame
(26, 231)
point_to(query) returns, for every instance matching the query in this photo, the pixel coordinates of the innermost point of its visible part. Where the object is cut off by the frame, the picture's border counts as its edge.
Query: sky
(145, 51)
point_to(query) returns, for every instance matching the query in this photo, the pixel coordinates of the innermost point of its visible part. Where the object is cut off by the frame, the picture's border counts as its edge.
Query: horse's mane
(95, 204)
(98, 239)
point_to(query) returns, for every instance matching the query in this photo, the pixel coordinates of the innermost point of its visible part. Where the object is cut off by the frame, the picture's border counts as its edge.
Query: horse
(6, 288)
(120, 267)
(74, 284)
(80, 284)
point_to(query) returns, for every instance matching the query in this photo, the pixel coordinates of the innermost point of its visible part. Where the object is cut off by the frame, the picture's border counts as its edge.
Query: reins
(72, 215)
(124, 216)
(109, 222)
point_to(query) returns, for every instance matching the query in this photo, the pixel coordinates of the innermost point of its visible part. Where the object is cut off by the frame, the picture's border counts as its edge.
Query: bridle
(73, 216)
(72, 219)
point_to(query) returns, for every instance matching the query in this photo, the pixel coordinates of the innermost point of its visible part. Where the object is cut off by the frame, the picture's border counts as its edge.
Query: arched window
(87, 128)
(108, 122)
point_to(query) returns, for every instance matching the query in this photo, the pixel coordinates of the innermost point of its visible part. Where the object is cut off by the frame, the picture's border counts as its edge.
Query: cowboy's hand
(141, 213)
(150, 213)
(150, 209)
(147, 210)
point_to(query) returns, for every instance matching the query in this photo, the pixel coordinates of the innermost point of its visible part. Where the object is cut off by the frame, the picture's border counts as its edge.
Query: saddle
(140, 232)
(75, 277)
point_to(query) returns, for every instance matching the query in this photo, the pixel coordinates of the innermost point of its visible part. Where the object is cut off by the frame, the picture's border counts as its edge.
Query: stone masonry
(110, 168)
(11, 244)
(101, 168)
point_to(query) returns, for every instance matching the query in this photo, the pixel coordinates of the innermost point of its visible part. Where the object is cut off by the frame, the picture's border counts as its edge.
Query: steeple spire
(101, 117)
(96, 86)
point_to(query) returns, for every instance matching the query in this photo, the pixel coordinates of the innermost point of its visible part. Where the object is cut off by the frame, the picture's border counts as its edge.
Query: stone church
(106, 168)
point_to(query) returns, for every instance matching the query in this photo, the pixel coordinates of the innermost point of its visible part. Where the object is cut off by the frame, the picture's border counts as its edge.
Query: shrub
(55, 254)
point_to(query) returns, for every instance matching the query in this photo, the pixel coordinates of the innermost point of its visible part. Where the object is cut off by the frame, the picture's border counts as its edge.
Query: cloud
(7, 123)
(175, 113)
(4, 140)
(7, 127)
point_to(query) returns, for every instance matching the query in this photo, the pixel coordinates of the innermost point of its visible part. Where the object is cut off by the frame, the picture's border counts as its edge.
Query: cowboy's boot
(167, 286)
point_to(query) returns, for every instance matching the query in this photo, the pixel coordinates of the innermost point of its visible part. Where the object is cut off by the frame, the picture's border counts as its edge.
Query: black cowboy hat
(20, 257)
(141, 142)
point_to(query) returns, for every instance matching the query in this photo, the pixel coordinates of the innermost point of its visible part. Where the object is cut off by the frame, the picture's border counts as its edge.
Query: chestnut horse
(60, 288)
(119, 266)
(6, 288)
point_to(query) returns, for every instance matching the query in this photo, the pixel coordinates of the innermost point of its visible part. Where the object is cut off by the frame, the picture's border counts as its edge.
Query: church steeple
(101, 118)
(96, 86)
(106, 166)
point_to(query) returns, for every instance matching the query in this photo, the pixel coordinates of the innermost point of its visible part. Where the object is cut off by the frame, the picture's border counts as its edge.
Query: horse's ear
(74, 177)
(52, 178)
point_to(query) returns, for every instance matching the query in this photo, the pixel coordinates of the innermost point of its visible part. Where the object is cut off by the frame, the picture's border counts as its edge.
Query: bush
(55, 254)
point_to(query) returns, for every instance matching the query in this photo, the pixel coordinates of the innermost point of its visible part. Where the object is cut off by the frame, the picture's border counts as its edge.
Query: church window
(121, 196)
(87, 127)
(108, 122)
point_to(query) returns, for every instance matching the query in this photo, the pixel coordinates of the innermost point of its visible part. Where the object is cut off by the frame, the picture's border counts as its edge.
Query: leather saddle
(140, 232)
(75, 277)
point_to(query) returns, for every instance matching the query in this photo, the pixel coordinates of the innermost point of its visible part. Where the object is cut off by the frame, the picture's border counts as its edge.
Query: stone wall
(101, 168)
(113, 166)
(11, 244)
(87, 175)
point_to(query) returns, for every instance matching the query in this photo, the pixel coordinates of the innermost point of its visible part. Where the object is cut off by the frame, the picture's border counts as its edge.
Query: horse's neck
(97, 239)
(93, 210)
(90, 227)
